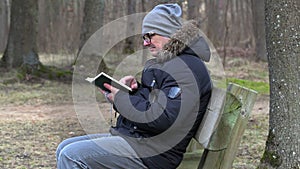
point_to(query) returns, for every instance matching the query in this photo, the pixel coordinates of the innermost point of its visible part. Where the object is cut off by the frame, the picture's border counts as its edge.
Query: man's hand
(113, 91)
(129, 81)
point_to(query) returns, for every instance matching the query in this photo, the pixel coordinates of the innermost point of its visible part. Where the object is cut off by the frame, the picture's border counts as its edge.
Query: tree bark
(4, 22)
(193, 10)
(92, 20)
(213, 22)
(282, 38)
(258, 22)
(22, 44)
(129, 41)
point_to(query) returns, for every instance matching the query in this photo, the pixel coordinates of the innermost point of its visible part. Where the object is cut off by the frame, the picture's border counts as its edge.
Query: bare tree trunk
(258, 21)
(282, 35)
(193, 10)
(225, 33)
(129, 42)
(22, 44)
(92, 20)
(59, 26)
(45, 18)
(213, 25)
(144, 57)
(4, 22)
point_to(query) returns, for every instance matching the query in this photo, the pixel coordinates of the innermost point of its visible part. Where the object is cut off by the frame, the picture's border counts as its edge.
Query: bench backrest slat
(211, 117)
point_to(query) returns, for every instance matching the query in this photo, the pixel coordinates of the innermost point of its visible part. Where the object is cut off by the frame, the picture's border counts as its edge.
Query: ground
(35, 118)
(30, 134)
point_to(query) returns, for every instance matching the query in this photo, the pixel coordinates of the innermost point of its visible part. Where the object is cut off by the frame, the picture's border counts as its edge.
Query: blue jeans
(96, 152)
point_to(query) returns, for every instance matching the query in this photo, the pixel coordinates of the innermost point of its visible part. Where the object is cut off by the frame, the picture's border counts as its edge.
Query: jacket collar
(183, 39)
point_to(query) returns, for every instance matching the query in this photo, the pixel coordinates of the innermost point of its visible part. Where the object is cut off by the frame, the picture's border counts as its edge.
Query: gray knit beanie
(164, 19)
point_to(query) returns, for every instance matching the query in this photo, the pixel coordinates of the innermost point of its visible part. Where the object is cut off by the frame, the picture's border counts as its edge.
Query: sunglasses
(147, 37)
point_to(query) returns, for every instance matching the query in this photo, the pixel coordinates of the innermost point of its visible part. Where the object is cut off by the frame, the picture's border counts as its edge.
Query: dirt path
(32, 112)
(44, 112)
(41, 112)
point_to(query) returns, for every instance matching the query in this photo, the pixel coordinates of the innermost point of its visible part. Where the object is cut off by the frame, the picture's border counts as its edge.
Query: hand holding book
(129, 81)
(102, 78)
(110, 86)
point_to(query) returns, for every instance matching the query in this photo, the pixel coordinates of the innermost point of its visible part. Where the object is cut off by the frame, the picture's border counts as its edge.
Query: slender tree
(21, 48)
(130, 41)
(92, 20)
(282, 37)
(213, 21)
(193, 10)
(258, 23)
(4, 22)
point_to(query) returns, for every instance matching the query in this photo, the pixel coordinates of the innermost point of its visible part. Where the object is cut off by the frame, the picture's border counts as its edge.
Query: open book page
(102, 78)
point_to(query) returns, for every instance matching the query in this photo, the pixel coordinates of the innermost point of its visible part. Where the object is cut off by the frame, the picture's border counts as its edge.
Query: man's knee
(68, 151)
(63, 144)
(68, 158)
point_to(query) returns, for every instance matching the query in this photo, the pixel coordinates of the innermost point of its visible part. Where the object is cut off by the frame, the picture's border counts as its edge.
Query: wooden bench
(223, 125)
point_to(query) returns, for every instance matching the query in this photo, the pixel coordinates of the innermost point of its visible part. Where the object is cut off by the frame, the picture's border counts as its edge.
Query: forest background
(37, 113)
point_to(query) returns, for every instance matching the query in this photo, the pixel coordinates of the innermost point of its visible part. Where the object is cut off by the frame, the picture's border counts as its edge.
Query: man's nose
(146, 43)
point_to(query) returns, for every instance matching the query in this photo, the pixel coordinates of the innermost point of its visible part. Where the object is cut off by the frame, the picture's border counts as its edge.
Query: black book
(102, 78)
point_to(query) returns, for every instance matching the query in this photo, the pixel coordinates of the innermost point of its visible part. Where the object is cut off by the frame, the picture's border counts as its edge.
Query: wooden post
(224, 142)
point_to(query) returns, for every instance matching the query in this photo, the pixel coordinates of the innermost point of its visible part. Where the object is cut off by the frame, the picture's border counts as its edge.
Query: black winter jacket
(160, 118)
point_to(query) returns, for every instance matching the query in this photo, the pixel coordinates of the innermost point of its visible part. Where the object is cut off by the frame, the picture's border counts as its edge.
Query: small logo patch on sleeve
(174, 92)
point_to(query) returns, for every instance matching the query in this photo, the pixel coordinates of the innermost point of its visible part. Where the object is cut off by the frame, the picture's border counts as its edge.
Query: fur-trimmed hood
(187, 40)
